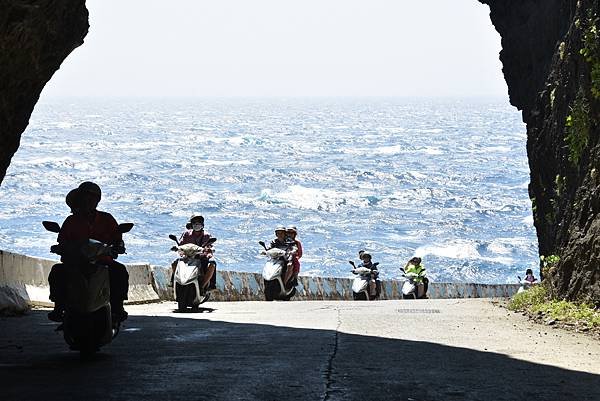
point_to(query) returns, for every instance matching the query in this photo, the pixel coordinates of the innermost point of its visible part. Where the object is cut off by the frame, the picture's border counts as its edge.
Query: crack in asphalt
(329, 370)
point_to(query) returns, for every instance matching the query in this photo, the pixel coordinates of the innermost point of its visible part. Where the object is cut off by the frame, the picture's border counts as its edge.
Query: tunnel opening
(361, 141)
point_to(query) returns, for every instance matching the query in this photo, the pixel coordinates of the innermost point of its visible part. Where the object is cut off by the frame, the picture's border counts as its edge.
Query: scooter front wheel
(270, 290)
(361, 296)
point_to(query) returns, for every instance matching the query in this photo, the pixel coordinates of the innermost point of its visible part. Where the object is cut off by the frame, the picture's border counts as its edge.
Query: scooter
(273, 274)
(360, 285)
(413, 287)
(88, 322)
(188, 274)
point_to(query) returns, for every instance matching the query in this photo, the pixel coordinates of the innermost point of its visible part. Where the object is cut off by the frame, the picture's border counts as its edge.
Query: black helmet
(416, 261)
(73, 199)
(91, 188)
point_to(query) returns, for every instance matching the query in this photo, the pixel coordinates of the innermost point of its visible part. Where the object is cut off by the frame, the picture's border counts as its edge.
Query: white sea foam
(463, 250)
(497, 149)
(528, 220)
(315, 198)
(392, 150)
(452, 250)
(432, 151)
(226, 162)
(64, 124)
(427, 130)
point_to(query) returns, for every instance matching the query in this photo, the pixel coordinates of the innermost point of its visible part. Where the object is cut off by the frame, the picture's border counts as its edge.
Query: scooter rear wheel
(288, 297)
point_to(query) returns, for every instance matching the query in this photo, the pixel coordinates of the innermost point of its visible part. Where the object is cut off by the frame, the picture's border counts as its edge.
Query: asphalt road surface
(389, 350)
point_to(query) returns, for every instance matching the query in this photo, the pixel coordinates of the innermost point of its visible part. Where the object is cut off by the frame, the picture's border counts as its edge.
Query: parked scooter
(360, 285)
(413, 287)
(189, 274)
(273, 274)
(88, 323)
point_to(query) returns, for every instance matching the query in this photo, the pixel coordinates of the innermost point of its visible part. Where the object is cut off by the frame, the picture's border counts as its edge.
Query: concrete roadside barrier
(24, 282)
(141, 289)
(242, 286)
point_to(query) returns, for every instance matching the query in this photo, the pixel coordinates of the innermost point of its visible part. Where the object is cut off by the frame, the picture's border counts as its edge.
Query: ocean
(444, 179)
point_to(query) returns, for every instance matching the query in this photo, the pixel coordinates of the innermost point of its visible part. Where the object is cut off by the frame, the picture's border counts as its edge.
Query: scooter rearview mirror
(352, 263)
(174, 238)
(51, 226)
(125, 227)
(211, 241)
(262, 243)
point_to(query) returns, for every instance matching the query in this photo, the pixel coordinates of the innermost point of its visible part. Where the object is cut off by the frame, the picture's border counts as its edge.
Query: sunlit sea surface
(442, 179)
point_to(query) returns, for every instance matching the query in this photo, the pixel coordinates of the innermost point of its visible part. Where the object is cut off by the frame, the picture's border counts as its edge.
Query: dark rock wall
(551, 62)
(35, 37)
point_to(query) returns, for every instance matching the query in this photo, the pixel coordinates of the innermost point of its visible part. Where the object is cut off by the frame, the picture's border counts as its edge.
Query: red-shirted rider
(292, 232)
(84, 224)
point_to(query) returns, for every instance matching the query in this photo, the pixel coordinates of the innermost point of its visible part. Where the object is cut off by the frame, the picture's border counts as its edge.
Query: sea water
(444, 179)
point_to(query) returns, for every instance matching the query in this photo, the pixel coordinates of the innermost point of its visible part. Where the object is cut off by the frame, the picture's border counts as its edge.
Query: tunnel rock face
(551, 63)
(35, 37)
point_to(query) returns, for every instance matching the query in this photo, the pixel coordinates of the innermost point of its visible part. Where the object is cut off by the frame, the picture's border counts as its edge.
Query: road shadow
(180, 358)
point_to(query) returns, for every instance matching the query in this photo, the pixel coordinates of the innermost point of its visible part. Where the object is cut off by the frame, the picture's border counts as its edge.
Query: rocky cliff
(35, 37)
(551, 62)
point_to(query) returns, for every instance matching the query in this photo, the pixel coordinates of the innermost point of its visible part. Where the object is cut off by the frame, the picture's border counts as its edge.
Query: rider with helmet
(196, 235)
(84, 224)
(284, 242)
(292, 232)
(281, 240)
(368, 263)
(415, 266)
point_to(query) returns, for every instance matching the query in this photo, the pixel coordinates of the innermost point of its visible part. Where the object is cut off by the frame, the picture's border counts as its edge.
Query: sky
(200, 48)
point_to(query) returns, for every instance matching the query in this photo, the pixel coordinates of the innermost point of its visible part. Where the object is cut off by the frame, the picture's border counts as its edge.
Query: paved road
(389, 350)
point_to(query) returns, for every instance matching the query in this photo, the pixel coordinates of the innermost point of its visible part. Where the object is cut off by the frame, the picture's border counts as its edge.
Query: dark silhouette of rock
(35, 37)
(551, 62)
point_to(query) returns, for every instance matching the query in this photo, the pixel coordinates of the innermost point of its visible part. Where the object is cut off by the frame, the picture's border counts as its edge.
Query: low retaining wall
(24, 282)
(240, 286)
